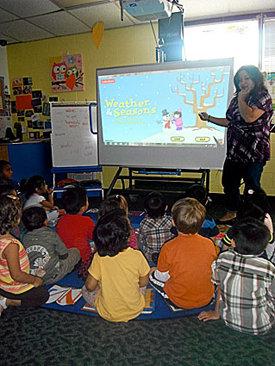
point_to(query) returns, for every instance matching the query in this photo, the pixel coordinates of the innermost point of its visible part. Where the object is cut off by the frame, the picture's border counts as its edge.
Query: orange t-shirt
(188, 259)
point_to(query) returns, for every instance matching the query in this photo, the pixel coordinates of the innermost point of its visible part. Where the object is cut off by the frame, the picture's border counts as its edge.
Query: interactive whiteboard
(148, 114)
(74, 134)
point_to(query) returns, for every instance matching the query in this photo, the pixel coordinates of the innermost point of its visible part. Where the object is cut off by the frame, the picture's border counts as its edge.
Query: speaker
(170, 31)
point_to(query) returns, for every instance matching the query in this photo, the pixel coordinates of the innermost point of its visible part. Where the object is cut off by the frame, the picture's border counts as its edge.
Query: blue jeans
(233, 173)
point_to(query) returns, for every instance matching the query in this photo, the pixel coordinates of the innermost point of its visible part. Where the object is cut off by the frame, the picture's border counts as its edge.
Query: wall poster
(67, 73)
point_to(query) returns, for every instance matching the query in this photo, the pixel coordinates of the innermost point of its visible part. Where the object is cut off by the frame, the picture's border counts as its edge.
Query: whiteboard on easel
(74, 134)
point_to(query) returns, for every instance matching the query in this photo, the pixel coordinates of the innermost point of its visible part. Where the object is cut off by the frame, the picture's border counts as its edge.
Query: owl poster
(66, 73)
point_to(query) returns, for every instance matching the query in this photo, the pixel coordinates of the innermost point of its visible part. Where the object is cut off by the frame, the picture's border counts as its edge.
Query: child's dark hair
(6, 189)
(10, 211)
(256, 197)
(198, 192)
(249, 209)
(251, 236)
(111, 233)
(34, 217)
(3, 164)
(33, 183)
(73, 199)
(113, 202)
(188, 215)
(155, 205)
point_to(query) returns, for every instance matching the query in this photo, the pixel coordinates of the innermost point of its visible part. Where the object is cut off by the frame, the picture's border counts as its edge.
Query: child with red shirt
(183, 274)
(74, 229)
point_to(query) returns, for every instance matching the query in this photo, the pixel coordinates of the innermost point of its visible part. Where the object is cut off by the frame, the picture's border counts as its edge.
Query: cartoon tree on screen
(200, 92)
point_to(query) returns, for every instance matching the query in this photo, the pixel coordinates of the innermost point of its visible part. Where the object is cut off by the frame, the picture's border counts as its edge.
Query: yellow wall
(123, 46)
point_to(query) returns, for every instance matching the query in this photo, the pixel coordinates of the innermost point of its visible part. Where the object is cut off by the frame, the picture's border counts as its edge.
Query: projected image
(161, 107)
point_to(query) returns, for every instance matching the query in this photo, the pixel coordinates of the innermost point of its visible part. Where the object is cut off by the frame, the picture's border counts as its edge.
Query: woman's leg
(231, 180)
(252, 176)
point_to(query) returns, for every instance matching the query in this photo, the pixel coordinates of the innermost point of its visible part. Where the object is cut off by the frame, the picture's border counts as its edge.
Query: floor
(47, 337)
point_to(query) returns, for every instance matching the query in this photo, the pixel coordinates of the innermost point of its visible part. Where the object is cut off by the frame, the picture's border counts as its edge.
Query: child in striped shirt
(246, 282)
(17, 285)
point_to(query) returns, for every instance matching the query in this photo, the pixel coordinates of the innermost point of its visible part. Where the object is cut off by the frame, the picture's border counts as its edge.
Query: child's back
(44, 247)
(248, 289)
(74, 229)
(246, 281)
(183, 272)
(17, 286)
(117, 271)
(188, 259)
(155, 228)
(120, 298)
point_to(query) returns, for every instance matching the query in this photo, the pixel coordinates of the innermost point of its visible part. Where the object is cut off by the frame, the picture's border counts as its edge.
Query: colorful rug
(66, 297)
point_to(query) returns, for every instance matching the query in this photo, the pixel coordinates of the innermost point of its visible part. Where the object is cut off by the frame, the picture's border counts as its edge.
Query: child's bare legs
(90, 296)
(4, 303)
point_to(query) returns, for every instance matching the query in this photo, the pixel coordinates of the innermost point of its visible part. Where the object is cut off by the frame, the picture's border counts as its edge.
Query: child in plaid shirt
(246, 282)
(155, 228)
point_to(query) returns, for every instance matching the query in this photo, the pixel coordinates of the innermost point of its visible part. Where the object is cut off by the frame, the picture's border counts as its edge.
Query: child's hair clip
(117, 196)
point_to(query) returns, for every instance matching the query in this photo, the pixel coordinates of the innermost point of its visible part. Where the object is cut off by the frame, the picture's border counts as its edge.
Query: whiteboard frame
(92, 105)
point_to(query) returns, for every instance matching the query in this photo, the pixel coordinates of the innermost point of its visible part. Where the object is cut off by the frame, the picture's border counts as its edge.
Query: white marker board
(74, 134)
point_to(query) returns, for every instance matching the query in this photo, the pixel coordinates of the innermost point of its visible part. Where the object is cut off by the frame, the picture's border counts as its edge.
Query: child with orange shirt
(183, 274)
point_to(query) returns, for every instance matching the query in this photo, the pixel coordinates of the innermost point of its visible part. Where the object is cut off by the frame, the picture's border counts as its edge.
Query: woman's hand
(244, 93)
(204, 116)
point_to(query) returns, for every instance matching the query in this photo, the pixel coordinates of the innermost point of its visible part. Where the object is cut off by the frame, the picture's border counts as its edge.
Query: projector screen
(148, 114)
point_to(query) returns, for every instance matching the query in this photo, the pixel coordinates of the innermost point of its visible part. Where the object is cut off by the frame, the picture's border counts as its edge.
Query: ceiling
(29, 20)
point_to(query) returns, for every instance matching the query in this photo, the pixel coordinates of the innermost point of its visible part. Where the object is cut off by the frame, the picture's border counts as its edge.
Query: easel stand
(172, 180)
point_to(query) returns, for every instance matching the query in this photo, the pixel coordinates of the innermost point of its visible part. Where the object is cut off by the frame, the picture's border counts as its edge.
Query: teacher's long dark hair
(255, 75)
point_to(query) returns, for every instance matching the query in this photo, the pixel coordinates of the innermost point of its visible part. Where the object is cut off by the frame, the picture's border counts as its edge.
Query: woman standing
(248, 120)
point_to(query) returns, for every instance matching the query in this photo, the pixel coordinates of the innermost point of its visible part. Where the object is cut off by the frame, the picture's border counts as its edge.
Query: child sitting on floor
(38, 194)
(17, 286)
(183, 274)
(115, 202)
(245, 281)
(209, 227)
(155, 228)
(74, 229)
(5, 172)
(6, 190)
(44, 247)
(250, 210)
(117, 272)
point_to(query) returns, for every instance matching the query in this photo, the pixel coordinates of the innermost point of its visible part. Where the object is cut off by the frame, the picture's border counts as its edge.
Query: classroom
(130, 96)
